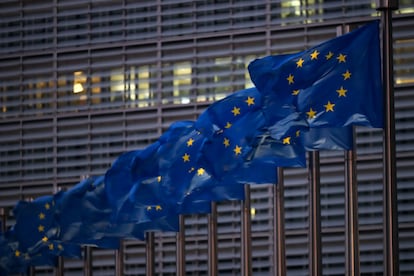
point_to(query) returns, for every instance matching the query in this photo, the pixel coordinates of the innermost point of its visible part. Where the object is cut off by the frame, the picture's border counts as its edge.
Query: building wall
(83, 81)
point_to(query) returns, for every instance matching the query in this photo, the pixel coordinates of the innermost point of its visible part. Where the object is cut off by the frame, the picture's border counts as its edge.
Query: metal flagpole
(150, 256)
(212, 240)
(181, 247)
(351, 214)
(3, 214)
(390, 213)
(246, 234)
(279, 225)
(351, 201)
(119, 259)
(87, 261)
(60, 266)
(315, 260)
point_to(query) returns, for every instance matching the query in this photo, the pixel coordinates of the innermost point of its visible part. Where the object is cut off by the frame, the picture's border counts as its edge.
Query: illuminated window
(117, 84)
(222, 77)
(79, 83)
(405, 6)
(182, 83)
(247, 80)
(139, 86)
(308, 10)
(96, 89)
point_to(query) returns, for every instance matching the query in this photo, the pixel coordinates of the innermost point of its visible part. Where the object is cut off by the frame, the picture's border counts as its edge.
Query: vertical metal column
(119, 259)
(181, 247)
(87, 261)
(246, 246)
(315, 247)
(3, 214)
(279, 225)
(351, 214)
(212, 240)
(60, 266)
(390, 213)
(150, 254)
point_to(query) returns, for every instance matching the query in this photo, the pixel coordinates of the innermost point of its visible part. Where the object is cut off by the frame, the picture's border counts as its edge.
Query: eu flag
(35, 222)
(327, 138)
(334, 84)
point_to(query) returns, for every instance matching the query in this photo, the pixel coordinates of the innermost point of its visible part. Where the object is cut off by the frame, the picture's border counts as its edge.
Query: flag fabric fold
(334, 84)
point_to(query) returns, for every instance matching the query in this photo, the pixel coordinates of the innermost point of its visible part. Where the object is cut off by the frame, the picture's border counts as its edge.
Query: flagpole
(181, 246)
(212, 240)
(390, 205)
(3, 213)
(315, 260)
(279, 225)
(119, 259)
(352, 264)
(87, 261)
(351, 213)
(246, 247)
(60, 266)
(150, 256)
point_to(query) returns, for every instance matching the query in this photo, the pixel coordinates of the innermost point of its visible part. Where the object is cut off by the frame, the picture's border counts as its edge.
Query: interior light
(77, 88)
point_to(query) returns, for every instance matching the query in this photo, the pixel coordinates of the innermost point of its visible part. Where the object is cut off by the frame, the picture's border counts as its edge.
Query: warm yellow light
(252, 212)
(77, 88)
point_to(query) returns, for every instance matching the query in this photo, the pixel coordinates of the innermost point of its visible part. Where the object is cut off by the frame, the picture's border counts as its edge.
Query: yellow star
(17, 253)
(228, 125)
(314, 55)
(311, 114)
(347, 75)
(299, 63)
(41, 228)
(290, 79)
(42, 216)
(236, 111)
(329, 55)
(297, 133)
(159, 178)
(295, 92)
(158, 208)
(200, 171)
(226, 142)
(342, 92)
(45, 239)
(51, 246)
(286, 141)
(47, 206)
(329, 106)
(60, 247)
(190, 142)
(250, 101)
(237, 150)
(186, 157)
(341, 58)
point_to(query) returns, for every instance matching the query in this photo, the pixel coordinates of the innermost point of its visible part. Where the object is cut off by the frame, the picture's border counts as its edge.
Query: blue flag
(327, 139)
(127, 171)
(234, 145)
(334, 84)
(35, 222)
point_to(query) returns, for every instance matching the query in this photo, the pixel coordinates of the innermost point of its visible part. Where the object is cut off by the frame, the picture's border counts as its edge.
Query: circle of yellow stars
(341, 91)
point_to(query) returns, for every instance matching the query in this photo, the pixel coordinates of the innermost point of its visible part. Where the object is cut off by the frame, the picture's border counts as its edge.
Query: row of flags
(301, 102)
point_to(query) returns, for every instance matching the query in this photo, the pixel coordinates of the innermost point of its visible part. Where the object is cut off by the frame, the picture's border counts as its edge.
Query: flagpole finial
(387, 4)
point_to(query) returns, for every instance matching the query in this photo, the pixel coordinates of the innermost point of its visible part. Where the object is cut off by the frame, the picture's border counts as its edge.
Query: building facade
(83, 81)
